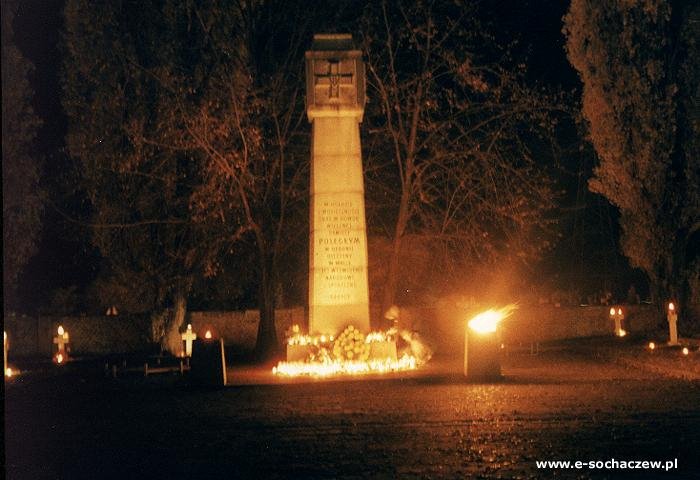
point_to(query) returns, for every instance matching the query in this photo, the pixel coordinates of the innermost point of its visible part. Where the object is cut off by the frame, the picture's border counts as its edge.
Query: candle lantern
(672, 318)
(482, 346)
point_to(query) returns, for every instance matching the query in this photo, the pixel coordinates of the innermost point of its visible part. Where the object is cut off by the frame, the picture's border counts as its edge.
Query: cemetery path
(554, 406)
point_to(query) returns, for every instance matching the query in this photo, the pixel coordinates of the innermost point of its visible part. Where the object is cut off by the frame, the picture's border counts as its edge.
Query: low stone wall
(100, 335)
(240, 329)
(443, 327)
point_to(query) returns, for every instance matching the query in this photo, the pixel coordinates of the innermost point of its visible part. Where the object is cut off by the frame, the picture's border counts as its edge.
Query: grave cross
(334, 78)
(62, 339)
(188, 337)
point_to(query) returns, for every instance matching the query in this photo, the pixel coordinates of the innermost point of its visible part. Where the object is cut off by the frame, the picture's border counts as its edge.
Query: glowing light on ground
(344, 367)
(346, 354)
(59, 358)
(487, 322)
(622, 333)
(685, 351)
(652, 345)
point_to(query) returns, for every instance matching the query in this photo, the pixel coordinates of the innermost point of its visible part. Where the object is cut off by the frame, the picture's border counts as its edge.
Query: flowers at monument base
(350, 353)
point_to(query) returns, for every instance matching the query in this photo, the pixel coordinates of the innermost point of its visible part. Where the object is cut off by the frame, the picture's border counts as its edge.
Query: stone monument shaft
(335, 98)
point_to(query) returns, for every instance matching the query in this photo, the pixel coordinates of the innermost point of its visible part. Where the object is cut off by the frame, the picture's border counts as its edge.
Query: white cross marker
(62, 339)
(188, 337)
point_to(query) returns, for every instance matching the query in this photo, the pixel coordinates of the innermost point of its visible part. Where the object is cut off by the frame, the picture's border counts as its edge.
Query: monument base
(337, 317)
(383, 351)
(298, 353)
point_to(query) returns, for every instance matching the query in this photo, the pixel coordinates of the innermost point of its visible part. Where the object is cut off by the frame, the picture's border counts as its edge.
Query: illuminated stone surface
(338, 289)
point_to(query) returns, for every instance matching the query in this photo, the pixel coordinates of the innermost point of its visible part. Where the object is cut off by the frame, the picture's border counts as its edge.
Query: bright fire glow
(671, 307)
(8, 372)
(686, 351)
(59, 358)
(652, 345)
(612, 311)
(207, 334)
(622, 333)
(189, 326)
(619, 311)
(344, 367)
(61, 331)
(345, 354)
(487, 322)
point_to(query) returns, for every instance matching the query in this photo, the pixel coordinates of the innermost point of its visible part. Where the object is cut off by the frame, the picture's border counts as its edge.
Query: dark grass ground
(567, 403)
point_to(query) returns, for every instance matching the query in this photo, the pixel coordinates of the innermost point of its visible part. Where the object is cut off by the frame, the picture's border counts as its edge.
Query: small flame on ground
(347, 367)
(487, 322)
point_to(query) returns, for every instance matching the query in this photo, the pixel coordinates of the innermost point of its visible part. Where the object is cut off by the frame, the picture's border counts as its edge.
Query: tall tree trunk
(172, 341)
(266, 346)
(392, 277)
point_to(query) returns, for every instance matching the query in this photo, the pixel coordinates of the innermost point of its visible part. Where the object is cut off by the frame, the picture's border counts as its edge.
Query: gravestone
(335, 89)
(208, 363)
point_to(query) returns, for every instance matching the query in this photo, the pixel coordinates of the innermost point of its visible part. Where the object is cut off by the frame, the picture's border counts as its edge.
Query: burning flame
(487, 322)
(189, 326)
(346, 354)
(207, 334)
(8, 372)
(60, 330)
(344, 367)
(622, 332)
(686, 351)
(671, 307)
(612, 311)
(619, 311)
(652, 345)
(59, 358)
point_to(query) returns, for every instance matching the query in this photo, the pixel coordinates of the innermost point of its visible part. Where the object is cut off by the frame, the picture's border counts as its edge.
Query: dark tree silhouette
(22, 203)
(640, 69)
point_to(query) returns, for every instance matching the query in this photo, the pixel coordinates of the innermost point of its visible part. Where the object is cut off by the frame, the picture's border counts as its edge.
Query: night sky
(588, 253)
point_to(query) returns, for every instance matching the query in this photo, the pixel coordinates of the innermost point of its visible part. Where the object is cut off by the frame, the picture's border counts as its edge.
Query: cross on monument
(334, 78)
(188, 337)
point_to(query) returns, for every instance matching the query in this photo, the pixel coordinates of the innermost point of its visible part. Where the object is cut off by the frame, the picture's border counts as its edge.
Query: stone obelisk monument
(335, 100)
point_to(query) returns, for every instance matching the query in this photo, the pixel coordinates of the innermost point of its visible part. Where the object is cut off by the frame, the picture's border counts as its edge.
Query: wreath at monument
(350, 345)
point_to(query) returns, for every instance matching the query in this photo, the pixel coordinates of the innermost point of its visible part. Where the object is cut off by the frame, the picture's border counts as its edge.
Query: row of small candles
(652, 347)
